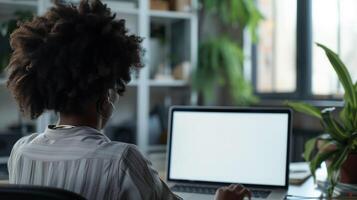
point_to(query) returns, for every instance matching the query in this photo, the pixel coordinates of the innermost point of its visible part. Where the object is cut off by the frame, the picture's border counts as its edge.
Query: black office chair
(30, 192)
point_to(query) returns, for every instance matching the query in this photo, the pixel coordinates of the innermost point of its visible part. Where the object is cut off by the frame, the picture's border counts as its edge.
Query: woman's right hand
(232, 192)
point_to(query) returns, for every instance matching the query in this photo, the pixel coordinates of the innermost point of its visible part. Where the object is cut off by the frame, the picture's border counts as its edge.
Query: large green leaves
(305, 108)
(204, 78)
(342, 132)
(343, 75)
(347, 116)
(254, 19)
(334, 167)
(353, 142)
(220, 63)
(240, 13)
(333, 127)
(353, 112)
(230, 12)
(318, 159)
(309, 148)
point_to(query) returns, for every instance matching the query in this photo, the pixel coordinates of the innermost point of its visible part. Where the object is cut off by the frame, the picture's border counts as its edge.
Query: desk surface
(307, 189)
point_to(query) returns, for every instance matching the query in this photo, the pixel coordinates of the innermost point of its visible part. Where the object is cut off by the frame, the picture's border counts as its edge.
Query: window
(336, 27)
(282, 45)
(348, 35)
(276, 49)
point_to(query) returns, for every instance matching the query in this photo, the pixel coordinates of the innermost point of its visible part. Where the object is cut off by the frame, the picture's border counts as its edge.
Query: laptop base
(208, 192)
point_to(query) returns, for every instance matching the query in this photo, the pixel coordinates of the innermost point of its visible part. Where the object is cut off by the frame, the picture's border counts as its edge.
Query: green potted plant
(221, 64)
(220, 59)
(339, 146)
(6, 28)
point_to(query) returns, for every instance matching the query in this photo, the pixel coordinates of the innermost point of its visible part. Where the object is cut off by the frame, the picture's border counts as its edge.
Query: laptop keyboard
(212, 190)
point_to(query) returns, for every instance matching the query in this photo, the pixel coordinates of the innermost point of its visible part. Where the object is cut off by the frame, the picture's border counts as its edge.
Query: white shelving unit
(168, 83)
(138, 19)
(171, 14)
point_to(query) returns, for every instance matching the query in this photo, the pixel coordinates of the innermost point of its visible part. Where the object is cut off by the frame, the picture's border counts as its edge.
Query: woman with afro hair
(76, 61)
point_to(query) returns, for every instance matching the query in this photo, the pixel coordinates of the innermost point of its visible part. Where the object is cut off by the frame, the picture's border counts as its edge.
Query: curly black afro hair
(69, 57)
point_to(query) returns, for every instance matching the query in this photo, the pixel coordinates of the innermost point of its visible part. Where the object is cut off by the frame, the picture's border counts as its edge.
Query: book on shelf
(299, 172)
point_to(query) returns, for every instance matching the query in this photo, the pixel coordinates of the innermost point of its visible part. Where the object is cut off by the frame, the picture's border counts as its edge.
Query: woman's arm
(141, 181)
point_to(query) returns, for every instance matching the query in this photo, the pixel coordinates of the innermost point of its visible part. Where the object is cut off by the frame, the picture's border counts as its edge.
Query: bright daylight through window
(334, 26)
(276, 49)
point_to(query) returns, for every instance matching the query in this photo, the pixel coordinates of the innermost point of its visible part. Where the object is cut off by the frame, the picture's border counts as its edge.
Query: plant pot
(348, 171)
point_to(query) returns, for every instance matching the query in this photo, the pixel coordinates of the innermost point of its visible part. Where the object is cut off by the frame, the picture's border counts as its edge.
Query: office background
(281, 63)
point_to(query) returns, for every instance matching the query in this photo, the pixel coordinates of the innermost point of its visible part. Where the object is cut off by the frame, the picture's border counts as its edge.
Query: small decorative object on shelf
(161, 57)
(174, 5)
(299, 172)
(182, 5)
(159, 5)
(182, 71)
(339, 146)
(163, 73)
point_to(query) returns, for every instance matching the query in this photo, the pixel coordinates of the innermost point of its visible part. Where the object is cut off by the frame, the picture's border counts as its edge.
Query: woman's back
(83, 160)
(76, 61)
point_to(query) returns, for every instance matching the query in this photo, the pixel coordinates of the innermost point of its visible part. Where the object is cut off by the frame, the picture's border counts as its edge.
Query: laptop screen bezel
(228, 110)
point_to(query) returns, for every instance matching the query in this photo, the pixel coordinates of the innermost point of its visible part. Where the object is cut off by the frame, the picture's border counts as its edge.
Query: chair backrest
(30, 192)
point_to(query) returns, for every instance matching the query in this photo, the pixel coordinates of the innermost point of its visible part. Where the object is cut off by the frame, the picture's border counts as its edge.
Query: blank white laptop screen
(228, 147)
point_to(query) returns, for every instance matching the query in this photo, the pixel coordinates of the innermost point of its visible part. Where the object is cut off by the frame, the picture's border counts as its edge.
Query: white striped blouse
(83, 160)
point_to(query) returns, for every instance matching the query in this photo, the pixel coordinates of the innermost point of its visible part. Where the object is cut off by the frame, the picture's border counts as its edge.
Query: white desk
(307, 189)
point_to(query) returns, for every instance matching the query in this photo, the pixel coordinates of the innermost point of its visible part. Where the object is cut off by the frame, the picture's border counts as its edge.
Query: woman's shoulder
(25, 139)
(119, 151)
(22, 142)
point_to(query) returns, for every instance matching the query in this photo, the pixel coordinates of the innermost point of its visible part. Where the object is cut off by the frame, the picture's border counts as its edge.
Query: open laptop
(210, 147)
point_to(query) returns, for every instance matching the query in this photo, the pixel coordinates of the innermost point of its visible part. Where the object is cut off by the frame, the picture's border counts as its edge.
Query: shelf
(162, 83)
(157, 148)
(132, 11)
(120, 7)
(129, 11)
(316, 102)
(168, 83)
(170, 14)
(133, 83)
(116, 6)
